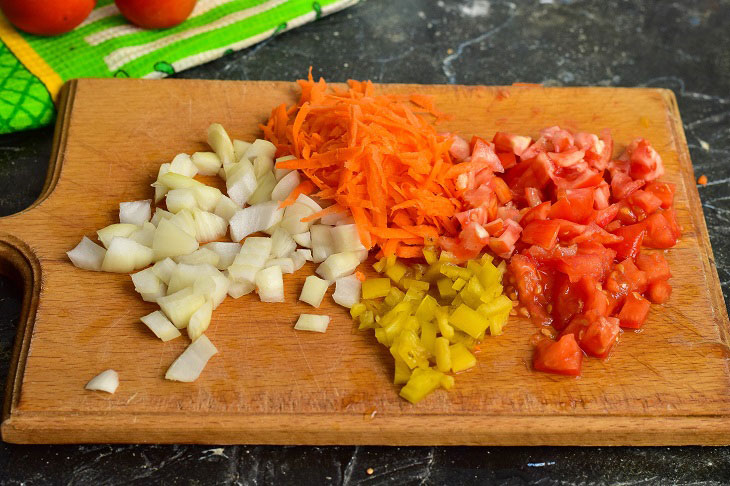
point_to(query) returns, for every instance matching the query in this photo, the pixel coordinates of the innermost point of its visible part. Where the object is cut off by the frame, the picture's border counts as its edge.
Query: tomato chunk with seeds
(563, 357)
(633, 236)
(634, 311)
(543, 233)
(659, 291)
(600, 336)
(654, 265)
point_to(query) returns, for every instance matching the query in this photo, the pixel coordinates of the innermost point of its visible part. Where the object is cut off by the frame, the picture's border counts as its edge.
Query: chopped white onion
(338, 265)
(311, 322)
(255, 218)
(207, 197)
(213, 288)
(347, 291)
(163, 269)
(159, 215)
(263, 165)
(252, 259)
(145, 235)
(286, 264)
(280, 173)
(305, 253)
(309, 202)
(161, 326)
(239, 148)
(260, 147)
(298, 260)
(313, 290)
(238, 273)
(135, 212)
(285, 186)
(200, 256)
(346, 238)
(125, 256)
(180, 306)
(184, 275)
(282, 243)
(108, 233)
(200, 320)
(270, 284)
(260, 245)
(220, 142)
(106, 381)
(241, 182)
(345, 220)
(208, 163)
(226, 208)
(173, 180)
(226, 250)
(322, 243)
(87, 255)
(208, 226)
(188, 366)
(266, 184)
(292, 220)
(239, 289)
(147, 281)
(179, 199)
(170, 241)
(303, 239)
(182, 164)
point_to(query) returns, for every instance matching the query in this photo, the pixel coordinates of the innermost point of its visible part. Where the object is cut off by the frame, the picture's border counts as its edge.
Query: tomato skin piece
(659, 291)
(654, 265)
(664, 191)
(562, 357)
(604, 216)
(541, 211)
(634, 311)
(600, 336)
(633, 236)
(543, 233)
(659, 231)
(507, 159)
(645, 200)
(622, 185)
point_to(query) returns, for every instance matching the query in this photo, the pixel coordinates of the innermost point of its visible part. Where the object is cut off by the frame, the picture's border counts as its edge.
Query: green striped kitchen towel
(33, 68)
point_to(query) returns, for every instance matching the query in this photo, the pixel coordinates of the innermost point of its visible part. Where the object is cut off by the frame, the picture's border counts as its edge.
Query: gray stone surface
(684, 46)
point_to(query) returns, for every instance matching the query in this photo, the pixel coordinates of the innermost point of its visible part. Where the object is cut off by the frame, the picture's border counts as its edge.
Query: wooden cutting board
(668, 384)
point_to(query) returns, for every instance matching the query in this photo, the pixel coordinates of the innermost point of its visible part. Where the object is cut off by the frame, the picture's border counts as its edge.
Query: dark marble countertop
(683, 46)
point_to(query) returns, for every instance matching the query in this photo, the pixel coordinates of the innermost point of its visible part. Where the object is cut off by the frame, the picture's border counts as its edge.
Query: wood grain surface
(668, 384)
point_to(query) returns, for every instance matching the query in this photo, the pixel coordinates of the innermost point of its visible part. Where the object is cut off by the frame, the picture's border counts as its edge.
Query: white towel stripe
(100, 13)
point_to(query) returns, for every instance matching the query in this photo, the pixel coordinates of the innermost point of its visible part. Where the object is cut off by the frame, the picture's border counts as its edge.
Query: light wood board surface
(668, 384)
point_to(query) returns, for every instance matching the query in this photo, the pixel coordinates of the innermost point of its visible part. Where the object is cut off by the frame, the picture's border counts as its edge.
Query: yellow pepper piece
(499, 305)
(443, 354)
(445, 286)
(442, 319)
(426, 310)
(421, 383)
(357, 310)
(396, 271)
(408, 347)
(458, 284)
(447, 382)
(394, 297)
(412, 283)
(373, 288)
(468, 320)
(428, 335)
(430, 254)
(496, 323)
(367, 320)
(461, 358)
(379, 266)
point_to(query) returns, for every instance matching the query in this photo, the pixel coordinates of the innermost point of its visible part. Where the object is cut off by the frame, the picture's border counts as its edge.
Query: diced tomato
(659, 231)
(507, 159)
(541, 211)
(671, 216)
(504, 245)
(597, 302)
(645, 161)
(563, 357)
(476, 215)
(569, 230)
(455, 247)
(664, 191)
(645, 200)
(501, 189)
(596, 234)
(598, 152)
(536, 172)
(582, 265)
(622, 185)
(576, 327)
(654, 265)
(529, 284)
(482, 152)
(634, 311)
(632, 235)
(552, 256)
(604, 216)
(569, 158)
(474, 237)
(576, 206)
(509, 142)
(459, 149)
(543, 233)
(659, 291)
(601, 195)
(567, 302)
(533, 196)
(495, 228)
(600, 336)
(578, 179)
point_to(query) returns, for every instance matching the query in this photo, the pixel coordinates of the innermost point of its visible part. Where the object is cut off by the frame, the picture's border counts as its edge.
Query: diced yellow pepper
(459, 284)
(373, 288)
(408, 347)
(454, 271)
(381, 337)
(491, 293)
(426, 310)
(367, 320)
(394, 297)
(457, 301)
(474, 267)
(486, 258)
(461, 358)
(447, 382)
(433, 272)
(409, 283)
(421, 383)
(498, 305)
(419, 269)
(447, 256)
(430, 254)
(442, 319)
(445, 286)
(396, 271)
(390, 261)
(414, 294)
(379, 266)
(402, 372)
(468, 320)
(411, 323)
(357, 310)
(472, 293)
(443, 354)
(489, 275)
(497, 322)
(428, 335)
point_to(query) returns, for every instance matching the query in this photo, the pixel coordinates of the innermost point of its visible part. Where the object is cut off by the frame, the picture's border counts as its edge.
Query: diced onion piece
(241, 182)
(266, 184)
(338, 265)
(322, 243)
(347, 291)
(173, 180)
(200, 256)
(298, 260)
(108, 233)
(260, 147)
(161, 326)
(188, 366)
(125, 256)
(87, 255)
(262, 165)
(292, 220)
(164, 169)
(270, 284)
(182, 164)
(255, 218)
(226, 250)
(239, 148)
(159, 215)
(180, 306)
(200, 320)
(185, 221)
(135, 212)
(208, 163)
(243, 273)
(144, 235)
(346, 238)
(311, 322)
(260, 245)
(282, 243)
(213, 288)
(253, 259)
(313, 290)
(179, 199)
(309, 202)
(147, 281)
(306, 253)
(286, 264)
(345, 220)
(160, 191)
(164, 268)
(280, 173)
(184, 275)
(332, 219)
(226, 208)
(171, 241)
(106, 381)
(153, 296)
(303, 239)
(285, 186)
(220, 142)
(208, 226)
(239, 289)
(207, 197)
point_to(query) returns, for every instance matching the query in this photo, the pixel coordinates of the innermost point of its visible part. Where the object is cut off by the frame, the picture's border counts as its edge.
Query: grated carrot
(377, 155)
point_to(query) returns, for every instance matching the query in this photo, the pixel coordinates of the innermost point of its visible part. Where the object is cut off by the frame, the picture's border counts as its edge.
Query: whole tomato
(156, 14)
(46, 17)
